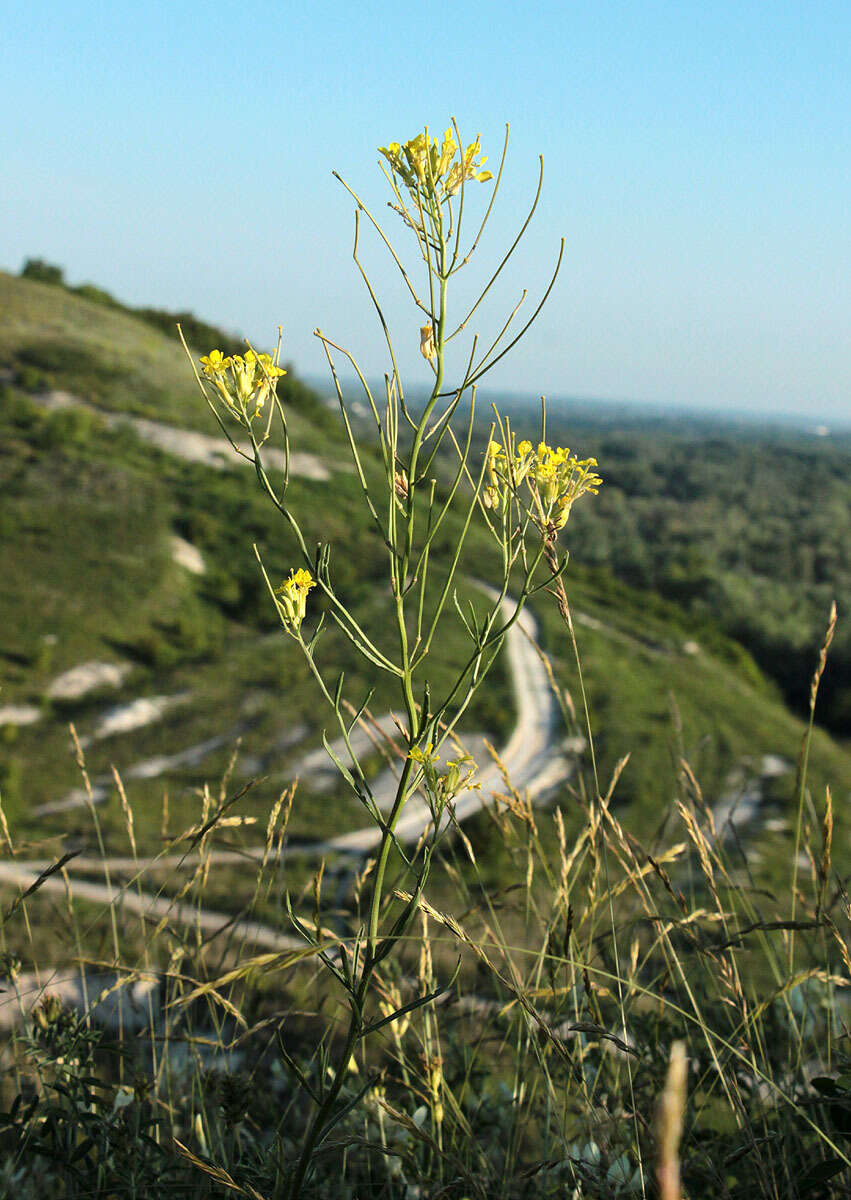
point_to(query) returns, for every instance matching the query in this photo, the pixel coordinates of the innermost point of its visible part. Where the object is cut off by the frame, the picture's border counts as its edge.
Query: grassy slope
(86, 573)
(653, 699)
(60, 340)
(87, 516)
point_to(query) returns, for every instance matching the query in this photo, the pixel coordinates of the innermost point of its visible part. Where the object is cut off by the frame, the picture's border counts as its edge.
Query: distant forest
(746, 528)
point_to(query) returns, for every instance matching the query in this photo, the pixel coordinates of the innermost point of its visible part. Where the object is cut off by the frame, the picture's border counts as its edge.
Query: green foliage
(198, 333)
(746, 531)
(123, 358)
(43, 272)
(76, 366)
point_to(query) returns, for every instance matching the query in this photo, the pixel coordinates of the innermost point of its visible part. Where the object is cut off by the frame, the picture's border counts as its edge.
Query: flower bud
(428, 349)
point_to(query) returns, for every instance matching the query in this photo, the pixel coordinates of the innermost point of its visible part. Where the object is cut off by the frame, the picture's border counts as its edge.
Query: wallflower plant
(524, 496)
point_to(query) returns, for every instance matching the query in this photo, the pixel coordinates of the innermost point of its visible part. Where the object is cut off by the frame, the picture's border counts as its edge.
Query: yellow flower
(415, 155)
(555, 479)
(425, 757)
(457, 778)
(428, 167)
(560, 478)
(242, 382)
(214, 363)
(447, 153)
(292, 597)
(270, 367)
(468, 168)
(495, 461)
(427, 760)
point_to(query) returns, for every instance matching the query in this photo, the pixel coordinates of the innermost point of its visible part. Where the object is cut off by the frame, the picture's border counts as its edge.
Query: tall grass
(567, 971)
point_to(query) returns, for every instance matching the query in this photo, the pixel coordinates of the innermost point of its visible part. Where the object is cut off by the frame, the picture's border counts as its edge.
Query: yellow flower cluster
(426, 757)
(292, 597)
(555, 478)
(243, 382)
(426, 166)
(459, 773)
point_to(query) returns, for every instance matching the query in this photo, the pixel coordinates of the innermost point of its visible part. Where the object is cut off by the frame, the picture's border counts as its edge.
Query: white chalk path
(187, 444)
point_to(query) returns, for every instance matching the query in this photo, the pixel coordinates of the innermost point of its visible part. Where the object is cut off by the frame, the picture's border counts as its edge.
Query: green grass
(560, 953)
(651, 698)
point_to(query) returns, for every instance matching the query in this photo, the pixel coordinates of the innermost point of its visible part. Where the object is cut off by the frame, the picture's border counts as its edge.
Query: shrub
(43, 272)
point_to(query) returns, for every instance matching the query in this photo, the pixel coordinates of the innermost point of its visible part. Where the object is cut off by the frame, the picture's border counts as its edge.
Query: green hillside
(90, 573)
(53, 337)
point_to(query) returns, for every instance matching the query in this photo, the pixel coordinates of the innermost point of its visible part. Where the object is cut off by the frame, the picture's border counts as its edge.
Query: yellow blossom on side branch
(292, 598)
(242, 382)
(443, 787)
(554, 478)
(424, 756)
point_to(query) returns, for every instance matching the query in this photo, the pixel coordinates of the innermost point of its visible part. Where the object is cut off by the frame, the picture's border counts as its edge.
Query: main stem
(400, 572)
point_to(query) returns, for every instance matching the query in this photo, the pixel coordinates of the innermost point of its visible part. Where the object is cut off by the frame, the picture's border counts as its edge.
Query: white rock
(19, 714)
(151, 768)
(112, 1001)
(135, 715)
(77, 798)
(773, 766)
(776, 824)
(187, 555)
(73, 684)
(190, 445)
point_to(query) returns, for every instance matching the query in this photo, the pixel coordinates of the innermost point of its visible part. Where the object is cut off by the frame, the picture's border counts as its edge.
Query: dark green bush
(43, 272)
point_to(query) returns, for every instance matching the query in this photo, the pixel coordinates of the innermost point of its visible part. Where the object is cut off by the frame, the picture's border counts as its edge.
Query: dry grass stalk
(822, 658)
(669, 1124)
(826, 845)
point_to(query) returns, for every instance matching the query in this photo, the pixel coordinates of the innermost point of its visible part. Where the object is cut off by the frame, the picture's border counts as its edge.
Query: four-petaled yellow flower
(214, 363)
(292, 598)
(242, 382)
(424, 756)
(443, 787)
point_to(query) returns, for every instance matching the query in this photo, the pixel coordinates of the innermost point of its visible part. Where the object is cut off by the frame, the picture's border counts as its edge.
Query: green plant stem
(323, 1113)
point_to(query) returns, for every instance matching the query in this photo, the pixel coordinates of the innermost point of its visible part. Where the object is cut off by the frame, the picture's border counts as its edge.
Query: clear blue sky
(697, 161)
